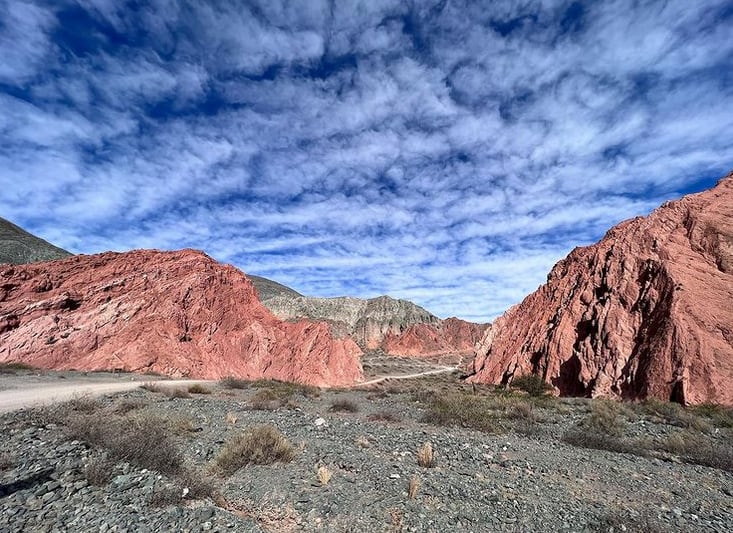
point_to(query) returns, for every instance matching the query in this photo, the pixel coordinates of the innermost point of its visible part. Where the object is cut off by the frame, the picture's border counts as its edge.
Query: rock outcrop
(449, 336)
(646, 312)
(399, 327)
(17, 246)
(176, 313)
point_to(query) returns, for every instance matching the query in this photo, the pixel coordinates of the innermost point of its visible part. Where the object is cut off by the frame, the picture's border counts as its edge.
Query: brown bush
(344, 406)
(261, 445)
(231, 382)
(426, 456)
(384, 416)
(198, 389)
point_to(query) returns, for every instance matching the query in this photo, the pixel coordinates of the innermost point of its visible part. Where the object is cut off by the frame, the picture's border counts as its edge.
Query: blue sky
(446, 152)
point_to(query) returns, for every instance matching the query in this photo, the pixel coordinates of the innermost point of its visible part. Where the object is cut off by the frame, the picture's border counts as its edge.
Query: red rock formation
(646, 312)
(452, 335)
(176, 313)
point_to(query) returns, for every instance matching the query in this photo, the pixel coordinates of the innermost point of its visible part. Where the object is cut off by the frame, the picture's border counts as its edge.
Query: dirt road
(46, 394)
(441, 370)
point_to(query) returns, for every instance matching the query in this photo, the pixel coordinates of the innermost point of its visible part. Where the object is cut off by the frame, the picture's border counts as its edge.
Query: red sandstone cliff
(646, 312)
(177, 313)
(449, 336)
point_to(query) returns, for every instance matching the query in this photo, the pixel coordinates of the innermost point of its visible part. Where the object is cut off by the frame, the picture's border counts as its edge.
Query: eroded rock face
(398, 327)
(451, 335)
(646, 312)
(176, 313)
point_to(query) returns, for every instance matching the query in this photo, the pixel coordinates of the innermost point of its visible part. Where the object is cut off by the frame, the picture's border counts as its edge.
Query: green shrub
(531, 384)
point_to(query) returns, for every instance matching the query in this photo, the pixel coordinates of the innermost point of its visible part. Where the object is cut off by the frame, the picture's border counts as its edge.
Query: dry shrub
(465, 410)
(231, 382)
(605, 418)
(674, 414)
(719, 416)
(231, 419)
(426, 456)
(384, 416)
(198, 389)
(261, 445)
(697, 449)
(127, 405)
(177, 393)
(363, 442)
(532, 385)
(344, 406)
(98, 471)
(286, 389)
(264, 400)
(412, 487)
(324, 475)
(6, 462)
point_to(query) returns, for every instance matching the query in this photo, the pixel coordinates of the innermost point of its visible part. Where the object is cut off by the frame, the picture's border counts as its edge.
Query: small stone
(319, 422)
(394, 476)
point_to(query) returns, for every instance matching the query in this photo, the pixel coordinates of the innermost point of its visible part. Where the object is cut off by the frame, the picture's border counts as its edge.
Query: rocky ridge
(398, 327)
(646, 312)
(175, 313)
(17, 246)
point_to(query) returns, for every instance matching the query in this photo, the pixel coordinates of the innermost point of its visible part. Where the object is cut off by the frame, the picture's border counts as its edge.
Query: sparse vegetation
(531, 384)
(231, 419)
(287, 388)
(363, 442)
(13, 368)
(426, 456)
(198, 389)
(127, 405)
(231, 382)
(384, 416)
(324, 475)
(170, 392)
(344, 406)
(461, 409)
(98, 471)
(692, 447)
(262, 445)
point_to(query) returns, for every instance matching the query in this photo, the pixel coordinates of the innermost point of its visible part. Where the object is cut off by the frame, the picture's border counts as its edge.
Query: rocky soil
(502, 462)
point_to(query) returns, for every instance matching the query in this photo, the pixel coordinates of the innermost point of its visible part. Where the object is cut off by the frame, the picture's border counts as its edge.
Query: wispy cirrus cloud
(448, 152)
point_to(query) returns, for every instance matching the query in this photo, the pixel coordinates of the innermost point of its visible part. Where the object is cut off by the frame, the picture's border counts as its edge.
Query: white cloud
(362, 147)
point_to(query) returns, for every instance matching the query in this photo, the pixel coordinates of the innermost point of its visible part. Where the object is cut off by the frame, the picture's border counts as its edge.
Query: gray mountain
(17, 246)
(367, 321)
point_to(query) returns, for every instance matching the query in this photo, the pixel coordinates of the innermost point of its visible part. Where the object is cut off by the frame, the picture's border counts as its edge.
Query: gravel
(515, 480)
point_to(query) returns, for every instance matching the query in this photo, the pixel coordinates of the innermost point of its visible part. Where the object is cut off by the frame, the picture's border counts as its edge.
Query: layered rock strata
(175, 313)
(646, 312)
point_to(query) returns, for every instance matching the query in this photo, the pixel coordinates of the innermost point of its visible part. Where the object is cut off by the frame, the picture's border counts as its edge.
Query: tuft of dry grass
(363, 442)
(344, 406)
(384, 416)
(231, 419)
(264, 400)
(694, 448)
(261, 445)
(324, 475)
(412, 487)
(198, 389)
(426, 456)
(6, 462)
